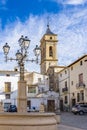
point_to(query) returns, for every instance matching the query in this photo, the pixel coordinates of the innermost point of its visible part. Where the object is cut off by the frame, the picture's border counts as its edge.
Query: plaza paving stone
(64, 127)
(69, 121)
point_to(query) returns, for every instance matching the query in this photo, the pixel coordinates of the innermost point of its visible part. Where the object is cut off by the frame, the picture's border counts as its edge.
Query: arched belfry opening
(51, 51)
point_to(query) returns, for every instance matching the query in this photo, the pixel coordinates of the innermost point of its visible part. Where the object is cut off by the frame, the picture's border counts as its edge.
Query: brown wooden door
(29, 103)
(61, 105)
(51, 105)
(73, 102)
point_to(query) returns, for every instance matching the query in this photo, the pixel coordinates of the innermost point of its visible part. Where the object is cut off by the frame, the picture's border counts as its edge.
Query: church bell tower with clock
(48, 50)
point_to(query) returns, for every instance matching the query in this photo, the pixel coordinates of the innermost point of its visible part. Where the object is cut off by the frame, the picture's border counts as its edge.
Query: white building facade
(8, 85)
(73, 84)
(36, 83)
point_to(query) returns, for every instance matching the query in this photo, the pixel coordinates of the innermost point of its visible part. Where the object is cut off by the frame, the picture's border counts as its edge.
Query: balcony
(80, 85)
(65, 89)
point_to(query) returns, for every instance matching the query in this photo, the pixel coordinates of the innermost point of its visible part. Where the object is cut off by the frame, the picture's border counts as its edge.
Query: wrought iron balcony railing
(65, 89)
(80, 85)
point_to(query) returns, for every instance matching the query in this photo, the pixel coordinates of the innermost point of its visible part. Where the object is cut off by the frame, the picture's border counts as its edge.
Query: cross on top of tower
(48, 21)
(48, 31)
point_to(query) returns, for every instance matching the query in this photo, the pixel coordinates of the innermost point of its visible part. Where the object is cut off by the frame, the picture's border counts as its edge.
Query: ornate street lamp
(21, 54)
(37, 52)
(6, 49)
(21, 57)
(23, 120)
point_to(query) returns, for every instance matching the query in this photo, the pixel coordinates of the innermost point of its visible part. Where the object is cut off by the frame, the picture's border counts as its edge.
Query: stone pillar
(22, 97)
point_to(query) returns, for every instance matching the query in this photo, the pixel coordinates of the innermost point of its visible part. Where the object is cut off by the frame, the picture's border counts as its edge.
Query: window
(65, 83)
(78, 97)
(82, 95)
(50, 37)
(66, 99)
(50, 51)
(81, 78)
(31, 90)
(7, 96)
(7, 86)
(80, 62)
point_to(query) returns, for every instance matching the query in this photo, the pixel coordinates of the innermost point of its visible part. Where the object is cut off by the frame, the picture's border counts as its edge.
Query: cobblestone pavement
(69, 121)
(64, 127)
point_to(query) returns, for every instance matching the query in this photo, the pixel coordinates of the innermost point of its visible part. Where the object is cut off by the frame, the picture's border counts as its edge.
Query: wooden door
(51, 105)
(73, 102)
(61, 105)
(29, 103)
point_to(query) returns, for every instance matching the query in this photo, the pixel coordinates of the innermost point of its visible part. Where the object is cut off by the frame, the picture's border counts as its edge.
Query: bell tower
(48, 50)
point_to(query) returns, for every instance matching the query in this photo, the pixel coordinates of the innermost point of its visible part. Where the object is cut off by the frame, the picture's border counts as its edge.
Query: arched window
(50, 51)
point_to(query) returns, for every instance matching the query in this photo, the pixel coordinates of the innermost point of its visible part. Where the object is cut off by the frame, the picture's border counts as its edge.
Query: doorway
(61, 105)
(51, 105)
(29, 104)
(73, 102)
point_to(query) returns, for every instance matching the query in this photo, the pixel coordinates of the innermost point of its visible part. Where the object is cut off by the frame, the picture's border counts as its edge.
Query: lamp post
(21, 57)
(23, 120)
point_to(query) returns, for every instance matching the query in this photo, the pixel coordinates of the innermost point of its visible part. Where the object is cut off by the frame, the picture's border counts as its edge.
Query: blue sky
(67, 18)
(10, 10)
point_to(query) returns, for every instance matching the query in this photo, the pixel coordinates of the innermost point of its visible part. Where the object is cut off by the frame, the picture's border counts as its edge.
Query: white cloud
(72, 36)
(75, 2)
(33, 28)
(70, 27)
(71, 2)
